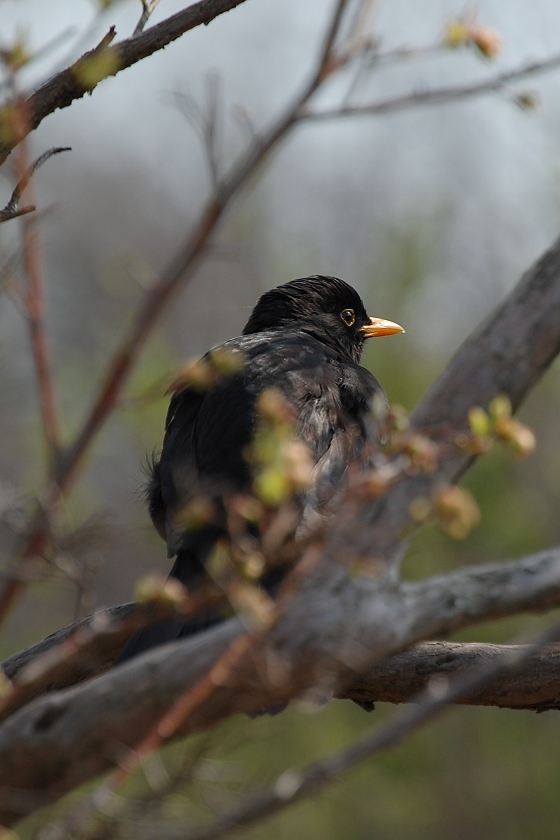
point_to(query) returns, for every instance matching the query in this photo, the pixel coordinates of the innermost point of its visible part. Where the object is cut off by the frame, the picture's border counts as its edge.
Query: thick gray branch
(401, 676)
(15, 664)
(63, 739)
(293, 785)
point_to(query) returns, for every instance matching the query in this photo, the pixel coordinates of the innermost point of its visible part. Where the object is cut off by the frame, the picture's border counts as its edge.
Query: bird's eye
(348, 316)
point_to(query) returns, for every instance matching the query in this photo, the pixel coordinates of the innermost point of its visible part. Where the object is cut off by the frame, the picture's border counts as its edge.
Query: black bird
(304, 338)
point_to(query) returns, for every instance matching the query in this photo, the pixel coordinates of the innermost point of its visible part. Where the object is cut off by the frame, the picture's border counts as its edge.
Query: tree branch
(12, 209)
(294, 785)
(398, 678)
(437, 96)
(35, 308)
(104, 61)
(90, 646)
(65, 738)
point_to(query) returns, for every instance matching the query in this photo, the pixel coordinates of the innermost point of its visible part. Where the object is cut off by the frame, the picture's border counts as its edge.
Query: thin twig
(326, 55)
(206, 123)
(436, 96)
(12, 209)
(35, 308)
(148, 7)
(211, 127)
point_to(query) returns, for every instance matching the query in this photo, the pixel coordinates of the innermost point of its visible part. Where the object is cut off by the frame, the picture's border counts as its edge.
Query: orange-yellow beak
(379, 326)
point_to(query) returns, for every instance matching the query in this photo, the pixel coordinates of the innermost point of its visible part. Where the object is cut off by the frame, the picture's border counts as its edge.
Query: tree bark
(400, 677)
(63, 739)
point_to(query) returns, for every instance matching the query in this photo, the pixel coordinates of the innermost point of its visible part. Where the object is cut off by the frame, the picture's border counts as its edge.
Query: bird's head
(326, 307)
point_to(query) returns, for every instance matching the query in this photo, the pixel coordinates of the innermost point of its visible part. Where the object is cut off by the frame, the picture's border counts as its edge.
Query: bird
(305, 340)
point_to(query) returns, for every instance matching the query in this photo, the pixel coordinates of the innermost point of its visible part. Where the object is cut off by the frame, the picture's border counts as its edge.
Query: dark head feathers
(303, 300)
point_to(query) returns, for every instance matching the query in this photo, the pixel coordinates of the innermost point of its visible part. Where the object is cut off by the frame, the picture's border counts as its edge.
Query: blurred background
(432, 214)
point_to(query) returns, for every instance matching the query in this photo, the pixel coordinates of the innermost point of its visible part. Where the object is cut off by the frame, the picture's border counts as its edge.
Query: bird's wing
(207, 432)
(177, 449)
(339, 423)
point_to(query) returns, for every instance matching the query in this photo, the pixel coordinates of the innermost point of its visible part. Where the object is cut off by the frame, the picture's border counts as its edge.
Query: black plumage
(304, 338)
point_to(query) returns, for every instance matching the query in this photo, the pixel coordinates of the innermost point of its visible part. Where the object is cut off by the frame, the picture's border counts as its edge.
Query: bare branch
(206, 123)
(65, 738)
(398, 678)
(104, 61)
(211, 127)
(12, 208)
(103, 620)
(437, 96)
(148, 7)
(35, 306)
(35, 312)
(89, 646)
(97, 640)
(75, 653)
(294, 785)
(326, 56)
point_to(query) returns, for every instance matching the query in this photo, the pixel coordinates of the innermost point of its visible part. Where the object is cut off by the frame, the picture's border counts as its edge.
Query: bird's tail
(188, 569)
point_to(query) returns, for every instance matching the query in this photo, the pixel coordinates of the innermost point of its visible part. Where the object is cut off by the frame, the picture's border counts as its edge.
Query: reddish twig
(34, 299)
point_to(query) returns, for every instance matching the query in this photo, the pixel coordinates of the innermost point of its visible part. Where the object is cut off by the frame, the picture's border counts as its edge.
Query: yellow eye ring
(348, 317)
